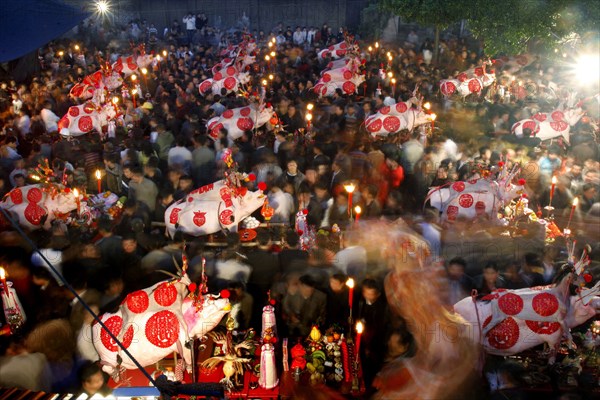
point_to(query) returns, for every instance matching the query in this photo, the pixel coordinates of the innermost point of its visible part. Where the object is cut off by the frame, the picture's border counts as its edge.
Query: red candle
(3, 279)
(359, 331)
(350, 284)
(349, 189)
(357, 211)
(554, 180)
(573, 207)
(76, 194)
(99, 180)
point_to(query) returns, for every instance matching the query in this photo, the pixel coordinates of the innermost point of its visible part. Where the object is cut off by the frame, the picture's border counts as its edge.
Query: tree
(506, 26)
(437, 13)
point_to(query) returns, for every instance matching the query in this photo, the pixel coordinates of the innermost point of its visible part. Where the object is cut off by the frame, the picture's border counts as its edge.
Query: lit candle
(393, 87)
(554, 180)
(350, 284)
(357, 210)
(359, 330)
(573, 207)
(76, 194)
(349, 189)
(3, 279)
(133, 94)
(433, 117)
(99, 180)
(309, 118)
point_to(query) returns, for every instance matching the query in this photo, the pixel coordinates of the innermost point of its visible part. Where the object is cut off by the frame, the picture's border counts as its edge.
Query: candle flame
(575, 202)
(357, 209)
(267, 57)
(359, 327)
(164, 53)
(2, 273)
(272, 54)
(76, 193)
(310, 106)
(115, 100)
(144, 71)
(271, 77)
(394, 81)
(376, 45)
(309, 117)
(350, 283)
(427, 106)
(76, 47)
(433, 117)
(133, 77)
(349, 187)
(98, 174)
(554, 180)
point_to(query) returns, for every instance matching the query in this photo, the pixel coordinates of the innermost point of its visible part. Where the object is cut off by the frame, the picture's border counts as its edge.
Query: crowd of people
(162, 152)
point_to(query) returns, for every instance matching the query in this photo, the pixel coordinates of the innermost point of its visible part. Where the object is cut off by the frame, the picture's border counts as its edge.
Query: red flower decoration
(305, 211)
(251, 177)
(225, 293)
(192, 287)
(262, 186)
(67, 190)
(587, 278)
(272, 302)
(500, 164)
(524, 196)
(299, 232)
(521, 182)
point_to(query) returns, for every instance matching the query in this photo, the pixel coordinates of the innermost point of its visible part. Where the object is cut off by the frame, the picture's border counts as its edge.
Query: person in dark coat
(265, 270)
(338, 309)
(372, 310)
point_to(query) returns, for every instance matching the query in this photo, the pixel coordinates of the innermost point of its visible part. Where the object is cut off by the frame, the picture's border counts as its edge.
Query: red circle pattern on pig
(458, 186)
(504, 335)
(474, 86)
(375, 126)
(165, 294)
(349, 87)
(245, 124)
(401, 107)
(510, 304)
(162, 329)
(199, 218)
(114, 325)
(16, 196)
(465, 200)
(391, 124)
(452, 212)
(225, 217)
(85, 124)
(137, 302)
(543, 327)
(174, 217)
(244, 112)
(229, 83)
(545, 304)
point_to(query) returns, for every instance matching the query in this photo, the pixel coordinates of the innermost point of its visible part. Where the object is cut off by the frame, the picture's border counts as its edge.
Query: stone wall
(263, 14)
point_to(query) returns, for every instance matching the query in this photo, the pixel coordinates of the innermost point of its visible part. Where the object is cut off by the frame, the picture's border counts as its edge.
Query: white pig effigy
(157, 321)
(215, 207)
(507, 322)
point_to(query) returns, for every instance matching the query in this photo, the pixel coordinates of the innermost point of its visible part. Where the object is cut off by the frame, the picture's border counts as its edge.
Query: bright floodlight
(102, 6)
(587, 69)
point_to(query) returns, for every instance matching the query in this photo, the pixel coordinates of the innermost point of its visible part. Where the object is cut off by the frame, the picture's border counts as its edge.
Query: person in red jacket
(392, 175)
